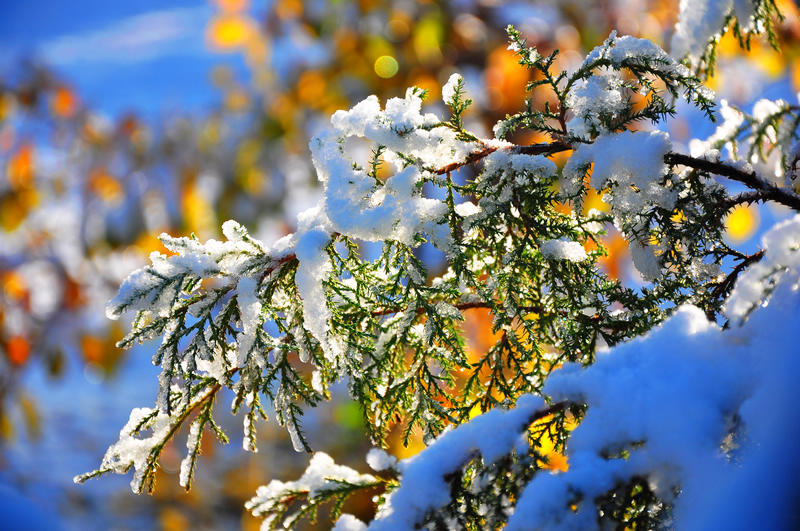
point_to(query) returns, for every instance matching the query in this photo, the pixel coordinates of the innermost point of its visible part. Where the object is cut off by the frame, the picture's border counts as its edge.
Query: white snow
(186, 463)
(781, 263)
(601, 94)
(669, 399)
(378, 459)
(250, 312)
(313, 267)
(676, 390)
(630, 166)
(314, 480)
(348, 522)
(563, 250)
(134, 450)
(424, 488)
(698, 22)
(701, 20)
(449, 88)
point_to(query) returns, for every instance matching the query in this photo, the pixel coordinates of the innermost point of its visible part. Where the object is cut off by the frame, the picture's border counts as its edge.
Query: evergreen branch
(749, 179)
(754, 196)
(766, 190)
(726, 285)
(545, 148)
(462, 306)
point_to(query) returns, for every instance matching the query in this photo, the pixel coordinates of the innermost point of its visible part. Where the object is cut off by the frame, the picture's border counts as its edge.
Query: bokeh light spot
(386, 66)
(741, 223)
(227, 32)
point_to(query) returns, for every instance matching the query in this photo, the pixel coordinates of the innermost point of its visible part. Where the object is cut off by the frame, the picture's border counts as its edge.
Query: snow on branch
(717, 419)
(723, 408)
(701, 23)
(279, 324)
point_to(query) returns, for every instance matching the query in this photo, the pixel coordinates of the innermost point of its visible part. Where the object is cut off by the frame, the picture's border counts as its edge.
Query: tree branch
(763, 190)
(486, 150)
(753, 196)
(750, 179)
(462, 306)
(726, 285)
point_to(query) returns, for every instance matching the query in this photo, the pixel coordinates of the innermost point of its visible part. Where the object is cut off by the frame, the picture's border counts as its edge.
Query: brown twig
(750, 179)
(558, 407)
(726, 285)
(763, 190)
(486, 150)
(753, 196)
(462, 306)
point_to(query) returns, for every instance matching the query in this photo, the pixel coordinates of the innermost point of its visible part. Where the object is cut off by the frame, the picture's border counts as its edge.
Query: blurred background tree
(90, 178)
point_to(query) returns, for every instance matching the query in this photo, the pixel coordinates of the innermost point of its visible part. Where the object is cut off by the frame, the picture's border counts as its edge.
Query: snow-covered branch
(670, 405)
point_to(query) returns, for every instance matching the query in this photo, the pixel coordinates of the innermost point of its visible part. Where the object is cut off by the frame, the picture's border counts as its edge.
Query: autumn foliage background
(118, 123)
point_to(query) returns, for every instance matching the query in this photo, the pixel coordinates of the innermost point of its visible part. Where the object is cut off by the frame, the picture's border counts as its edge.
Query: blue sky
(143, 55)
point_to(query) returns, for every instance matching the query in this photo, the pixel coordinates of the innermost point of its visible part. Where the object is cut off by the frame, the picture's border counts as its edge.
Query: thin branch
(749, 179)
(726, 285)
(753, 196)
(766, 191)
(472, 157)
(486, 150)
(558, 407)
(462, 306)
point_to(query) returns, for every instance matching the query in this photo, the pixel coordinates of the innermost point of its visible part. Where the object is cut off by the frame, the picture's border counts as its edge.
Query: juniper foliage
(278, 325)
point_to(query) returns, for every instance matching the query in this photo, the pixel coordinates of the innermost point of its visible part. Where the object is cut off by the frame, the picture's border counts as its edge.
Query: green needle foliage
(241, 315)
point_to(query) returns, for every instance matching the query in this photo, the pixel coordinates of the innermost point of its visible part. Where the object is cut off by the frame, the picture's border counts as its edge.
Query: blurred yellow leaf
(399, 25)
(30, 414)
(556, 461)
(13, 211)
(594, 200)
(102, 351)
(741, 223)
(505, 80)
(6, 427)
(5, 106)
(617, 249)
(172, 519)
(553, 460)
(229, 31)
(311, 87)
(105, 186)
(237, 100)
(198, 213)
(73, 295)
(428, 35)
(14, 287)
(92, 348)
(478, 332)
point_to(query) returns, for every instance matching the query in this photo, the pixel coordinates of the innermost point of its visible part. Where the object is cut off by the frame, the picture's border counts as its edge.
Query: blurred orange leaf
(18, 350)
(288, 8)
(20, 167)
(105, 186)
(13, 286)
(505, 80)
(64, 102)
